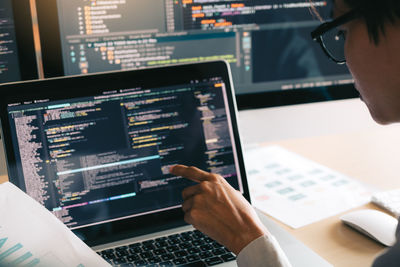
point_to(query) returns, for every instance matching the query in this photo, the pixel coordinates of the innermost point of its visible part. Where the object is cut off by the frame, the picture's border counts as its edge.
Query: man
(370, 31)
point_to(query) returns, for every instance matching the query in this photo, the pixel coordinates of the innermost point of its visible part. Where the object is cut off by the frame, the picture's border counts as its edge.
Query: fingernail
(171, 168)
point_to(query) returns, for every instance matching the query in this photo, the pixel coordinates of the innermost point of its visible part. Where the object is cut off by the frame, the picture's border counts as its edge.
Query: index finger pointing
(191, 173)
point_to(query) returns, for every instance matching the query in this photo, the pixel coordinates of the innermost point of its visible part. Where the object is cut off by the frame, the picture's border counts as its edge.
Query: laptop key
(198, 234)
(217, 245)
(108, 256)
(140, 263)
(185, 245)
(132, 258)
(205, 254)
(228, 257)
(208, 240)
(135, 250)
(121, 253)
(181, 253)
(218, 251)
(179, 261)
(198, 242)
(159, 251)
(206, 247)
(186, 238)
(166, 264)
(193, 250)
(121, 248)
(192, 258)
(161, 244)
(148, 242)
(148, 247)
(120, 261)
(146, 254)
(167, 257)
(173, 236)
(174, 241)
(111, 256)
(172, 248)
(154, 260)
(213, 261)
(194, 264)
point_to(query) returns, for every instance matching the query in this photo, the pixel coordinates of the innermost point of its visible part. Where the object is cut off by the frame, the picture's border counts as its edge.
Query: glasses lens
(334, 41)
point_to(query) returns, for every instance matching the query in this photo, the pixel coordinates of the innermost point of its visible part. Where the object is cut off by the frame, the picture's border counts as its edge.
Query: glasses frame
(316, 35)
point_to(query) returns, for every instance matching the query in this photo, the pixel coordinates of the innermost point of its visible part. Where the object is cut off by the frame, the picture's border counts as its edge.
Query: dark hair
(376, 14)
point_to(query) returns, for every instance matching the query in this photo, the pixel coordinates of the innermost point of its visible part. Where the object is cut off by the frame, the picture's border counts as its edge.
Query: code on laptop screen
(106, 157)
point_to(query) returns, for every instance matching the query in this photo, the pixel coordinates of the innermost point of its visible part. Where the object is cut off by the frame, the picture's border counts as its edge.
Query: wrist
(241, 240)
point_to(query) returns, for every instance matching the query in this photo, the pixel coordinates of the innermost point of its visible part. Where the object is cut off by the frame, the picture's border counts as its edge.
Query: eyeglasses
(332, 39)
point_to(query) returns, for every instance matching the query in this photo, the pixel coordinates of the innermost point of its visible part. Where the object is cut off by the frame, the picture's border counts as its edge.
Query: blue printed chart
(15, 254)
(30, 235)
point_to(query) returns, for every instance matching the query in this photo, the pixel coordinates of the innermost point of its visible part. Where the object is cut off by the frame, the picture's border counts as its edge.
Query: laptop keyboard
(191, 248)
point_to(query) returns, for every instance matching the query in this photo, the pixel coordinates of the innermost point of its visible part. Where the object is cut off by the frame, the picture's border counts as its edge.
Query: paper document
(298, 191)
(30, 235)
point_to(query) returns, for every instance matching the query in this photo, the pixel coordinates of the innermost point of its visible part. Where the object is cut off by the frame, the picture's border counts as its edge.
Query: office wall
(307, 120)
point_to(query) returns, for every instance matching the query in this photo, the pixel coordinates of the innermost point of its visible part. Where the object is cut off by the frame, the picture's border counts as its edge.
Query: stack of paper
(298, 191)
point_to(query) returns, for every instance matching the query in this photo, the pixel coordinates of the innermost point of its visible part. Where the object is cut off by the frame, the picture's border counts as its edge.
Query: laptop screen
(103, 157)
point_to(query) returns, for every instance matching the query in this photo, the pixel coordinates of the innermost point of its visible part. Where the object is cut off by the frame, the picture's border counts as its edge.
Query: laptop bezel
(86, 85)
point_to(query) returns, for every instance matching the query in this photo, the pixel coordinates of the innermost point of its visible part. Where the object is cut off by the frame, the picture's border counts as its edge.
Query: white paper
(30, 235)
(298, 191)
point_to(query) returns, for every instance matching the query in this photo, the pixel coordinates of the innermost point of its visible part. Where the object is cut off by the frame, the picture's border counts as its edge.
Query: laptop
(96, 151)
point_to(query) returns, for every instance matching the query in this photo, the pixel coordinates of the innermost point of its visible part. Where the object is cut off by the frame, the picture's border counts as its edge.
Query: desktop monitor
(17, 52)
(267, 43)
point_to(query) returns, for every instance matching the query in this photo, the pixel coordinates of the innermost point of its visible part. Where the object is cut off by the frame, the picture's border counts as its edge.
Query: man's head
(372, 51)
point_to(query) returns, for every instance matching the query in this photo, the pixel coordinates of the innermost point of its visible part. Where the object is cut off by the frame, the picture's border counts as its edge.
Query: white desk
(370, 156)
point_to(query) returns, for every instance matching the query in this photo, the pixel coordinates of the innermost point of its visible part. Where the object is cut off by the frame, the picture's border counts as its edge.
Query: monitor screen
(99, 158)
(266, 42)
(9, 62)
(17, 54)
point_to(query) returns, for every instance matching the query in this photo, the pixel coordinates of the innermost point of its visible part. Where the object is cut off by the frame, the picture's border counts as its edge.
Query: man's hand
(215, 208)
